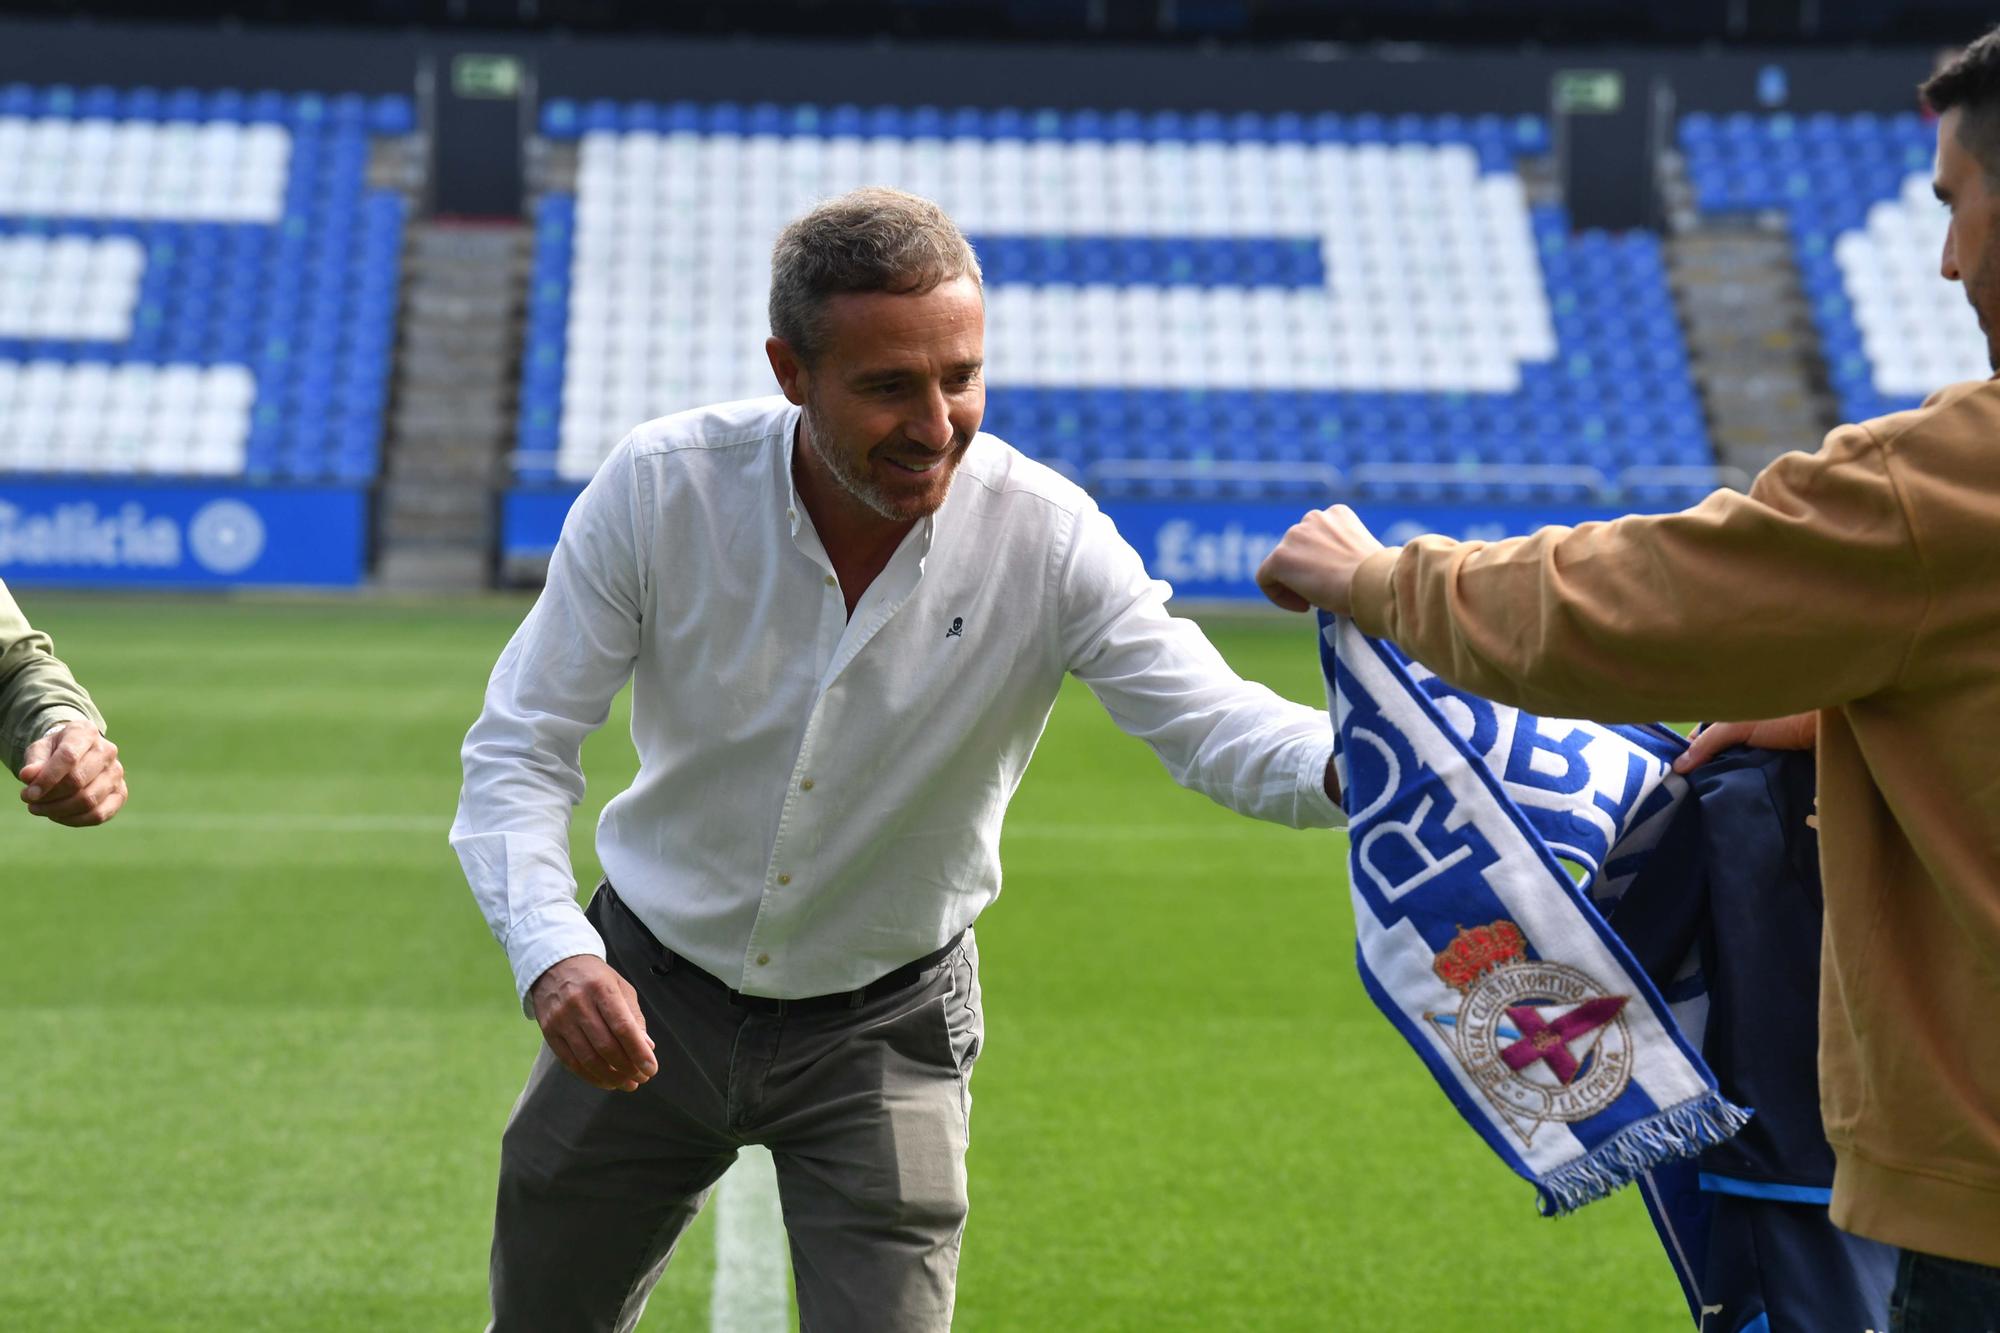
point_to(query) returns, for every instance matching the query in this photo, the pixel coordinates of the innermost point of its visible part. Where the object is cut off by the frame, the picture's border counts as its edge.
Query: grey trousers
(865, 1110)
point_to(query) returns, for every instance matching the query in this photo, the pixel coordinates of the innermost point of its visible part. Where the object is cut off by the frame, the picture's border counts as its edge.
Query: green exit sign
(1588, 92)
(485, 76)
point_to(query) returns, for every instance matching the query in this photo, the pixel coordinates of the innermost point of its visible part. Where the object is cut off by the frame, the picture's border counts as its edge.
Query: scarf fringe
(1679, 1131)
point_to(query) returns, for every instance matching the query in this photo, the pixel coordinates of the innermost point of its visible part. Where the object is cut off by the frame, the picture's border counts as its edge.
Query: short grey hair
(867, 240)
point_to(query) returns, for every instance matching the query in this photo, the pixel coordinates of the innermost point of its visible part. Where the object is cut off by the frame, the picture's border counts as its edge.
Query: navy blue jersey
(1737, 877)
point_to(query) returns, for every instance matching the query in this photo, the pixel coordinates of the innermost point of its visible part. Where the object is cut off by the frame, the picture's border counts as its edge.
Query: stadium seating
(1868, 234)
(195, 283)
(1187, 303)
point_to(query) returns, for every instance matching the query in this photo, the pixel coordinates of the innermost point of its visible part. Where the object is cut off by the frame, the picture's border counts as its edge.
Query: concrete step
(431, 500)
(478, 276)
(435, 566)
(1782, 408)
(397, 164)
(481, 419)
(550, 166)
(1769, 301)
(480, 471)
(495, 243)
(455, 346)
(1753, 377)
(523, 571)
(1745, 437)
(398, 530)
(470, 456)
(427, 441)
(501, 308)
(480, 383)
(469, 453)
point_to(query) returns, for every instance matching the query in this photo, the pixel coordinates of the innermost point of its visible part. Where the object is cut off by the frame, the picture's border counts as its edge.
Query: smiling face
(891, 400)
(1962, 184)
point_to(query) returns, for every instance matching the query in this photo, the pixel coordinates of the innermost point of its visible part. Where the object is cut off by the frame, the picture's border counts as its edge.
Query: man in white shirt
(846, 616)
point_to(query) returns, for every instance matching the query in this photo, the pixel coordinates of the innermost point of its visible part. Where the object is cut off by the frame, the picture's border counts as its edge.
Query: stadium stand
(1855, 191)
(1180, 303)
(196, 283)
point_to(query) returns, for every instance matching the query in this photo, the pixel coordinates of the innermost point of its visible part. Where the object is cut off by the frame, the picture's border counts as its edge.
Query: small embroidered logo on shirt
(957, 630)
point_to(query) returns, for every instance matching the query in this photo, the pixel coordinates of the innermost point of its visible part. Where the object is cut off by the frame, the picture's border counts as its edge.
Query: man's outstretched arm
(1806, 593)
(1235, 741)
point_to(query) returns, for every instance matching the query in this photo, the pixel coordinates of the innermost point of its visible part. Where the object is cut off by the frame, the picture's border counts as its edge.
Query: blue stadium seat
(391, 114)
(306, 304)
(561, 118)
(724, 118)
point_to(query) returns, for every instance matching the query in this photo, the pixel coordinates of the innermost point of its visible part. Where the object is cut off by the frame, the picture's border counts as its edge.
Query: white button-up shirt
(820, 795)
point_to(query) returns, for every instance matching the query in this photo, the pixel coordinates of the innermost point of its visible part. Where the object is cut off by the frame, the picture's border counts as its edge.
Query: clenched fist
(72, 776)
(1314, 565)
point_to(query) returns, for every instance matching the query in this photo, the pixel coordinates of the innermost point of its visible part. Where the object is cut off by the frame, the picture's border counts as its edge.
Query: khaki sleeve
(1806, 593)
(36, 690)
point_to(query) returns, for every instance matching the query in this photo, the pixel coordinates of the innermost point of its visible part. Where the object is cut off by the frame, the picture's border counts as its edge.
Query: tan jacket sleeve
(1805, 593)
(36, 689)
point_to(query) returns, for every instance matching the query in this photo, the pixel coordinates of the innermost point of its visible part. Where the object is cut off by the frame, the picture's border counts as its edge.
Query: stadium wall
(1426, 80)
(193, 535)
(1402, 79)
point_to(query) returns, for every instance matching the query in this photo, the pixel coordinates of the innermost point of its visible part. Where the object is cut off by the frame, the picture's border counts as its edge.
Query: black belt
(887, 984)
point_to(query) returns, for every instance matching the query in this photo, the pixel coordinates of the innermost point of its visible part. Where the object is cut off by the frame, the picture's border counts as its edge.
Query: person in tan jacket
(51, 732)
(1860, 584)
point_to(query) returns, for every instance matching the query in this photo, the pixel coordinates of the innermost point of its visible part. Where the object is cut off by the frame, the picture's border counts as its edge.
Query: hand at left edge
(73, 776)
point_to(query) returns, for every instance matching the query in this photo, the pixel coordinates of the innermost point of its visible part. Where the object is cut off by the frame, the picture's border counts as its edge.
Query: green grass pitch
(256, 1045)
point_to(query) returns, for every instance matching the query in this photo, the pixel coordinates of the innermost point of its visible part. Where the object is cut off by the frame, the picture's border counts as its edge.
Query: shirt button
(784, 879)
(832, 582)
(792, 514)
(806, 785)
(763, 958)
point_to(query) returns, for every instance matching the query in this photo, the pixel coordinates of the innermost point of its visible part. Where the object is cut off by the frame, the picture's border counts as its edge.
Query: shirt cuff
(60, 716)
(1318, 810)
(544, 938)
(1373, 594)
(40, 725)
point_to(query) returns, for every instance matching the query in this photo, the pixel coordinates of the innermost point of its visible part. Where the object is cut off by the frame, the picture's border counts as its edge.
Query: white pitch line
(439, 826)
(287, 822)
(750, 1250)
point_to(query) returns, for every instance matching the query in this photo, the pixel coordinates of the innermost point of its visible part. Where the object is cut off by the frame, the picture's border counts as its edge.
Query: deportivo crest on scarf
(1541, 1044)
(1492, 959)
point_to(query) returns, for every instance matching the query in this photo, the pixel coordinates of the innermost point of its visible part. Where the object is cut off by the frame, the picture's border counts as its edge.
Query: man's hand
(72, 776)
(1798, 732)
(1314, 565)
(590, 1018)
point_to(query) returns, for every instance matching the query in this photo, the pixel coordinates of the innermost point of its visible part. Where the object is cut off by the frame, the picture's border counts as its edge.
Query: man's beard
(853, 477)
(1985, 301)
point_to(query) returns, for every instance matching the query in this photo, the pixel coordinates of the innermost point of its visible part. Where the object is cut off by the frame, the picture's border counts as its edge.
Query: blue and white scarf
(1492, 961)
